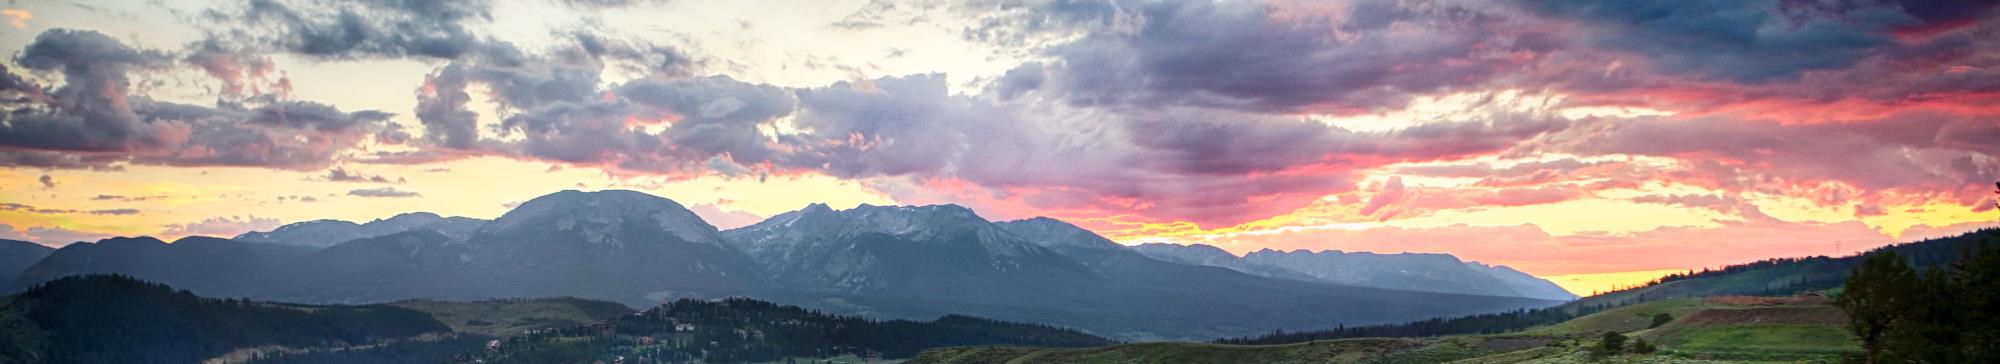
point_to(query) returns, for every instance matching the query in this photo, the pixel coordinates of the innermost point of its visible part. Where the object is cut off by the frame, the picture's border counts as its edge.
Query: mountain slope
(208, 266)
(1407, 271)
(411, 264)
(1785, 276)
(17, 256)
(1527, 285)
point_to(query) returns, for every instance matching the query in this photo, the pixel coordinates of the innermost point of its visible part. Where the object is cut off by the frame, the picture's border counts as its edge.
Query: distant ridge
(1426, 272)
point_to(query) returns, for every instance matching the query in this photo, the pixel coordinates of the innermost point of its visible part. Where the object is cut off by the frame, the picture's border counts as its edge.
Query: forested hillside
(118, 319)
(746, 330)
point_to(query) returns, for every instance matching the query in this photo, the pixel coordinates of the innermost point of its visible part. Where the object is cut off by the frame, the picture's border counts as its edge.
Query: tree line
(1949, 313)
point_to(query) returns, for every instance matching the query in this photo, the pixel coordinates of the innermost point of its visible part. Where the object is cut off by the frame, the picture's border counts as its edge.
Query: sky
(1598, 144)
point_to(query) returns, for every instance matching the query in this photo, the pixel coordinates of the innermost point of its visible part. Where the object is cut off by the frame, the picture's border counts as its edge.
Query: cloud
(18, 207)
(1754, 41)
(126, 198)
(219, 226)
(1732, 205)
(47, 182)
(1915, 153)
(341, 174)
(90, 112)
(724, 219)
(1271, 56)
(368, 29)
(92, 121)
(17, 18)
(235, 68)
(54, 236)
(1390, 193)
(390, 192)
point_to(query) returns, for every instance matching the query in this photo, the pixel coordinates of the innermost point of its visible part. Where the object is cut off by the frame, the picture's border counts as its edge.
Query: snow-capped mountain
(894, 249)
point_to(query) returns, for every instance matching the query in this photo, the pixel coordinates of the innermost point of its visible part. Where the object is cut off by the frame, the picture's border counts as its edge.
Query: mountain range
(1405, 271)
(913, 262)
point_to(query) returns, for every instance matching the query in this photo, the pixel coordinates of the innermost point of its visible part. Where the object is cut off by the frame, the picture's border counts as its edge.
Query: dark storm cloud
(17, 90)
(592, 132)
(1751, 41)
(1250, 56)
(264, 137)
(90, 112)
(314, 116)
(887, 126)
(716, 115)
(363, 29)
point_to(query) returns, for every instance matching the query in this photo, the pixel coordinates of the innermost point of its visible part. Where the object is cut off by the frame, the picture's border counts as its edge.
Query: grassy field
(512, 317)
(1372, 350)
(1762, 342)
(1623, 319)
(1715, 330)
(1331, 351)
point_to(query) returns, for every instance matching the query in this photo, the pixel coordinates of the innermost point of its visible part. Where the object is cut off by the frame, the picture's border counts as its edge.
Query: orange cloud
(17, 18)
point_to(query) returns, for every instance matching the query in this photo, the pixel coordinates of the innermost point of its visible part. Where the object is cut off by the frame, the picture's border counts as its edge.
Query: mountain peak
(599, 215)
(414, 218)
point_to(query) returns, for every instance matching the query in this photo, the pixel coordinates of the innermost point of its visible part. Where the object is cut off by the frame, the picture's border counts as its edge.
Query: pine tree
(1612, 344)
(1876, 298)
(1640, 346)
(1661, 319)
(1978, 287)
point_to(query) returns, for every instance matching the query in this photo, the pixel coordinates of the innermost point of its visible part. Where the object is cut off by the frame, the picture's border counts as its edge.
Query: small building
(683, 327)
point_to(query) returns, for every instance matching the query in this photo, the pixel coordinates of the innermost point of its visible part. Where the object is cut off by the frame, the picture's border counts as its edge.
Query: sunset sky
(1596, 144)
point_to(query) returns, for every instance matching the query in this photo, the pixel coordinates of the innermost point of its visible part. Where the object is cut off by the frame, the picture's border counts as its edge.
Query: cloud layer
(1131, 117)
